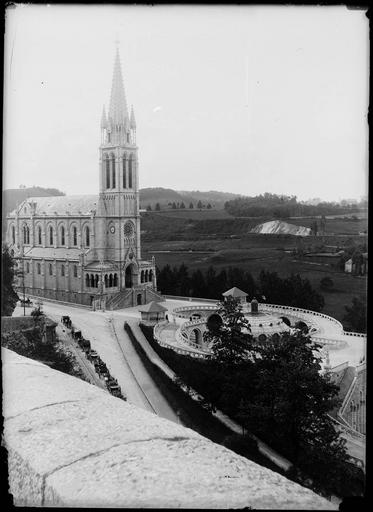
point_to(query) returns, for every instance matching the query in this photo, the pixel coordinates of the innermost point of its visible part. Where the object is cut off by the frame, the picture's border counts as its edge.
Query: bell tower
(118, 215)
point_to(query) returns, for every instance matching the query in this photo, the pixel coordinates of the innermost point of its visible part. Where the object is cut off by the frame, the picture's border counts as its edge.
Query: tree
(199, 205)
(231, 339)
(314, 227)
(355, 316)
(191, 206)
(208, 206)
(288, 404)
(174, 206)
(157, 207)
(149, 208)
(9, 297)
(182, 205)
(326, 284)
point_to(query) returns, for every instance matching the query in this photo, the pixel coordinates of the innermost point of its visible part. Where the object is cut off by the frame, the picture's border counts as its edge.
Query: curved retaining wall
(70, 444)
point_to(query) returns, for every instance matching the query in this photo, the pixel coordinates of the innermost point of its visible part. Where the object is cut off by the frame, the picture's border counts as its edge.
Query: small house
(236, 293)
(153, 312)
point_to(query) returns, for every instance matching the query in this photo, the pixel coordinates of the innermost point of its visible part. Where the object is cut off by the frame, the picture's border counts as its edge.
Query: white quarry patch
(279, 227)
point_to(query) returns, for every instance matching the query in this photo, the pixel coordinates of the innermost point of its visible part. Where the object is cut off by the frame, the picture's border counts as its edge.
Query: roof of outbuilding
(152, 307)
(235, 292)
(60, 205)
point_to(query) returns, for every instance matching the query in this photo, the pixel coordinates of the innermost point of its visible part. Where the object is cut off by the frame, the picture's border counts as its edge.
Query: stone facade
(86, 249)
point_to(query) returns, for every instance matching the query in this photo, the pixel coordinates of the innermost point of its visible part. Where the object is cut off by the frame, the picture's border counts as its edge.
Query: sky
(242, 99)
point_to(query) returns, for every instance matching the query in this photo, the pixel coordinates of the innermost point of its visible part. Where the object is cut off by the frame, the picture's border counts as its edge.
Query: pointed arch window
(124, 170)
(75, 235)
(50, 269)
(130, 171)
(38, 268)
(75, 271)
(62, 235)
(39, 235)
(107, 168)
(27, 267)
(63, 270)
(26, 235)
(87, 237)
(113, 185)
(50, 235)
(13, 234)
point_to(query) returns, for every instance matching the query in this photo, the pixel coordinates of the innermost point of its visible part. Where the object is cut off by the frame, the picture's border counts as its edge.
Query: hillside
(164, 196)
(277, 227)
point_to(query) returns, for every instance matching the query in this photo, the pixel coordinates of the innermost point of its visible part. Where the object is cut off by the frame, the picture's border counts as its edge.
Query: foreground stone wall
(71, 444)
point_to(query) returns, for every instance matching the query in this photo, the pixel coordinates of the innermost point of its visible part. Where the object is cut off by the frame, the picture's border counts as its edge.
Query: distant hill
(278, 227)
(165, 196)
(13, 197)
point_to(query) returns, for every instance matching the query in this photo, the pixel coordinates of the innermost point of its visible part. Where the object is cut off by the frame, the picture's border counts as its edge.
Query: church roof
(58, 253)
(52, 205)
(152, 307)
(235, 292)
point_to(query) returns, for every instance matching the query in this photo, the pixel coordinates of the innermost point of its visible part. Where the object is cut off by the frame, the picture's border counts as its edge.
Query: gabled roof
(50, 205)
(152, 307)
(235, 292)
(58, 253)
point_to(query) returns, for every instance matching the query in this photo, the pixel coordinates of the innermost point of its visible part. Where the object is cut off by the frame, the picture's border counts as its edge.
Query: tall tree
(9, 297)
(288, 404)
(356, 316)
(231, 339)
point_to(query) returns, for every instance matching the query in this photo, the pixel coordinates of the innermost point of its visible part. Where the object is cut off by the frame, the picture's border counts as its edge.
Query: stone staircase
(128, 298)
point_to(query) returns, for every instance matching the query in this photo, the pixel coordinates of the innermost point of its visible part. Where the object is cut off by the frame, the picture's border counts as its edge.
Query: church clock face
(128, 229)
(112, 229)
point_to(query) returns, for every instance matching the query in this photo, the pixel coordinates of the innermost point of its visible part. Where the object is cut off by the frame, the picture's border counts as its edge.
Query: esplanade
(184, 330)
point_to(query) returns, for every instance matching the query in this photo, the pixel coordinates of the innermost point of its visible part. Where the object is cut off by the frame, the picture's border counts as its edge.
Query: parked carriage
(92, 355)
(66, 321)
(85, 345)
(26, 302)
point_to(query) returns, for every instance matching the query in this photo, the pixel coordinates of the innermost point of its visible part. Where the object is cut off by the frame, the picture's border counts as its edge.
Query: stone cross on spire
(118, 112)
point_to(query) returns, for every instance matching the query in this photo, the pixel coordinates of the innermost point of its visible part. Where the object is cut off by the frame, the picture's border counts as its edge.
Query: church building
(86, 248)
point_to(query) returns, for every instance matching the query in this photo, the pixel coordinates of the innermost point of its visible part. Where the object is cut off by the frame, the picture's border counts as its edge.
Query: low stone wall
(71, 444)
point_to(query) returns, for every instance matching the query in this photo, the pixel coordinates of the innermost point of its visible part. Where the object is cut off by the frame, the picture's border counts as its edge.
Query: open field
(195, 214)
(196, 225)
(256, 252)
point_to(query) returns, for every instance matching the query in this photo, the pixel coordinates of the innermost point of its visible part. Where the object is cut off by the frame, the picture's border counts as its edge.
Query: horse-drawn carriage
(26, 302)
(114, 388)
(66, 321)
(85, 345)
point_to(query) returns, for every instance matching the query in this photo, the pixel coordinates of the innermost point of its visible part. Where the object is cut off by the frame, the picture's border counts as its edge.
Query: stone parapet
(71, 444)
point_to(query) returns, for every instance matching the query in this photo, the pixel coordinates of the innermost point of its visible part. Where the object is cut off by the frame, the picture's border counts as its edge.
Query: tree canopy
(9, 297)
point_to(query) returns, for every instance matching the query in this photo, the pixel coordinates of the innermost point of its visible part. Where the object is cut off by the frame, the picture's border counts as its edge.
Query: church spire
(118, 105)
(132, 119)
(103, 118)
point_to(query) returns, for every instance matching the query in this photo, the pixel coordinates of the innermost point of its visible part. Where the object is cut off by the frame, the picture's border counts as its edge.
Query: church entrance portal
(129, 277)
(139, 300)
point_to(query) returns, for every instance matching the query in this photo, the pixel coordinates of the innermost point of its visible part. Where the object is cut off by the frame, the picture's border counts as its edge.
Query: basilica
(86, 248)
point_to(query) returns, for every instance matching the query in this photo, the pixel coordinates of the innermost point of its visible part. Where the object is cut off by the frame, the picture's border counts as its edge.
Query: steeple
(132, 119)
(103, 118)
(118, 105)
